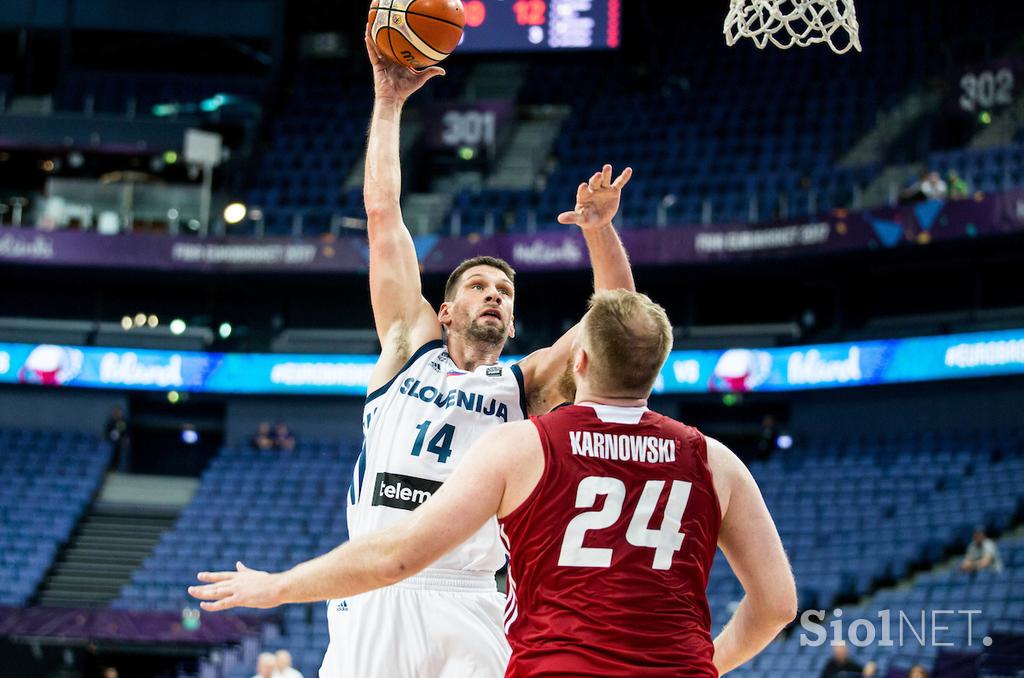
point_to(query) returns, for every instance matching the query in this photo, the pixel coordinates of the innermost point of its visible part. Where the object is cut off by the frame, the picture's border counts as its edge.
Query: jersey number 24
(665, 541)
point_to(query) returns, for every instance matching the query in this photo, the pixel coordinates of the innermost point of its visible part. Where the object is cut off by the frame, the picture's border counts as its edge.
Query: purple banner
(123, 626)
(163, 252)
(840, 231)
(837, 232)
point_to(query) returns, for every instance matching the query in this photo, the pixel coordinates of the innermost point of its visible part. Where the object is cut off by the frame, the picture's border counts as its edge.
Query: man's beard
(488, 334)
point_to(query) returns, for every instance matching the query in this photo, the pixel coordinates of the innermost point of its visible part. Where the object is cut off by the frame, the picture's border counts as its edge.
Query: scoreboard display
(541, 25)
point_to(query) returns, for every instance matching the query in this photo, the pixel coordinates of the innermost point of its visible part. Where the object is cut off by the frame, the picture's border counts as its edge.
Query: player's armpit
(547, 375)
(404, 319)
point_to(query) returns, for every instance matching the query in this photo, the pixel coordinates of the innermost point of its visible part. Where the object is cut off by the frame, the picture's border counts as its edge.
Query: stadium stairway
(113, 539)
(529, 149)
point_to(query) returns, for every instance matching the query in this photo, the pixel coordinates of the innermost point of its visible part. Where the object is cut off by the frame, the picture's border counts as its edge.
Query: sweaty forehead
(488, 273)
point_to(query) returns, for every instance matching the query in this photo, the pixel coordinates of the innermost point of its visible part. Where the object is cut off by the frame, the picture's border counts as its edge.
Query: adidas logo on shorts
(342, 606)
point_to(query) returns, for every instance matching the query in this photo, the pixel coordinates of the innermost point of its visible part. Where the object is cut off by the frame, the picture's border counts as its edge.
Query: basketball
(417, 33)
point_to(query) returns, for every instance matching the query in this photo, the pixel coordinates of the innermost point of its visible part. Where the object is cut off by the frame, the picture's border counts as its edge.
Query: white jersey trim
(610, 414)
(429, 346)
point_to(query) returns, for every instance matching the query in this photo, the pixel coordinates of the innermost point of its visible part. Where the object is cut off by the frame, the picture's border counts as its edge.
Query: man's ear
(444, 314)
(512, 328)
(581, 362)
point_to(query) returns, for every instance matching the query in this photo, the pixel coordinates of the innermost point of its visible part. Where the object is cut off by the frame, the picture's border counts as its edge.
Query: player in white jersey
(437, 387)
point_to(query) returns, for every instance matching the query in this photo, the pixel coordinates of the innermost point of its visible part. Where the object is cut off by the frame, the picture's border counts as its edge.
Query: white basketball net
(786, 23)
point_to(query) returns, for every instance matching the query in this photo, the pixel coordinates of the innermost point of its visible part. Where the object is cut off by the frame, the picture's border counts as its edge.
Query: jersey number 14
(665, 541)
(440, 444)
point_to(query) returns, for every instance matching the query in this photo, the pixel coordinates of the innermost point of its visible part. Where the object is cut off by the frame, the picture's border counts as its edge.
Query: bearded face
(482, 308)
(487, 326)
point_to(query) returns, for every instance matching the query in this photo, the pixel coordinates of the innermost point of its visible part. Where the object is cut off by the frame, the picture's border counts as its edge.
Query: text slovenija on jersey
(611, 552)
(416, 429)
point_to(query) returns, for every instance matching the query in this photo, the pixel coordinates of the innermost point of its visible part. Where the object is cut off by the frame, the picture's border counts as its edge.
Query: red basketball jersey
(611, 552)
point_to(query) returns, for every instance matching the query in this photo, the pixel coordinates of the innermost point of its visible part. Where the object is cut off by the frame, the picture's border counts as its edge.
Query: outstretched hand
(392, 81)
(597, 200)
(242, 588)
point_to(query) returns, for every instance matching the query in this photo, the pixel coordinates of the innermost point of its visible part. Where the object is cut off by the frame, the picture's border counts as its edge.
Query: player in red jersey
(611, 514)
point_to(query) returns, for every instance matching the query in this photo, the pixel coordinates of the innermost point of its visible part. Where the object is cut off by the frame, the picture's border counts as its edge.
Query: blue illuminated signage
(798, 368)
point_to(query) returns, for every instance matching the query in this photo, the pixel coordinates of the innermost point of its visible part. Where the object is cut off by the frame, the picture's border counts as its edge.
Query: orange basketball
(417, 33)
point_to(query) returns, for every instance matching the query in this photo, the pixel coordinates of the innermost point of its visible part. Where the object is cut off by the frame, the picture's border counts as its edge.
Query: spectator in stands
(116, 432)
(917, 671)
(958, 188)
(870, 670)
(284, 666)
(841, 666)
(982, 554)
(929, 186)
(933, 187)
(263, 440)
(110, 672)
(283, 438)
(266, 665)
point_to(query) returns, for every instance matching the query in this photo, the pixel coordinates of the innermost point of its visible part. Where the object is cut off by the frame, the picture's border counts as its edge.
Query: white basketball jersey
(416, 429)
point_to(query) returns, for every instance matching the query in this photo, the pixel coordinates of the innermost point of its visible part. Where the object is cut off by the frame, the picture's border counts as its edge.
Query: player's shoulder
(431, 351)
(512, 434)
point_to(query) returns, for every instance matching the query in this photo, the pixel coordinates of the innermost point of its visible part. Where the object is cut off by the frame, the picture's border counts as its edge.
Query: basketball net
(786, 23)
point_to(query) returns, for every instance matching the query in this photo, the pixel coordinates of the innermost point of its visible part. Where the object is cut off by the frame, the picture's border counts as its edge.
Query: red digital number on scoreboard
(476, 13)
(530, 12)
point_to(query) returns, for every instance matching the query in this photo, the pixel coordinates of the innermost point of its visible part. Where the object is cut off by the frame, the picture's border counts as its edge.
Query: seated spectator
(283, 439)
(917, 671)
(958, 188)
(929, 186)
(870, 670)
(933, 187)
(982, 554)
(284, 665)
(263, 439)
(841, 666)
(266, 666)
(110, 672)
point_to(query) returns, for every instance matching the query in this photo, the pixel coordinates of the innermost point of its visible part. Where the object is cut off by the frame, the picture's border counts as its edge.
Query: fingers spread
(624, 178)
(606, 176)
(595, 181)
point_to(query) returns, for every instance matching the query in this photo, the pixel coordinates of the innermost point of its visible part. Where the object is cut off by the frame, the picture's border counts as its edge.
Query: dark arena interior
(186, 335)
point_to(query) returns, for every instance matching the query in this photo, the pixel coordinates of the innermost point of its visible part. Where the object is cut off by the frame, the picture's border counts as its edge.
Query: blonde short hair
(628, 338)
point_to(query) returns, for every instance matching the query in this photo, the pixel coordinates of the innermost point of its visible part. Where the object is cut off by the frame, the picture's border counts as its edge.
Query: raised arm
(597, 202)
(403, 318)
(751, 544)
(497, 474)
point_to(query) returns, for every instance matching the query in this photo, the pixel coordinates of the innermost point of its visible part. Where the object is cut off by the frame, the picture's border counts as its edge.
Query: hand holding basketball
(392, 81)
(597, 200)
(416, 33)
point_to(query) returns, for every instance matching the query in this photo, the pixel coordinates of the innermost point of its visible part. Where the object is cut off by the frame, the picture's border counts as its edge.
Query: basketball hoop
(786, 23)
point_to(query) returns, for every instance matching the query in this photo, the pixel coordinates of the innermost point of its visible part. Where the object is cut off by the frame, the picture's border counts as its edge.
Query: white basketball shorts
(438, 624)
